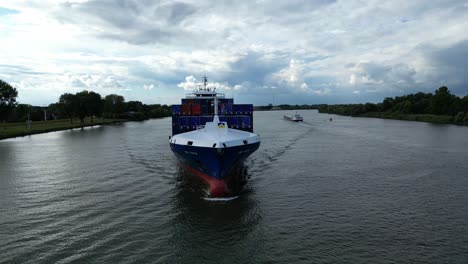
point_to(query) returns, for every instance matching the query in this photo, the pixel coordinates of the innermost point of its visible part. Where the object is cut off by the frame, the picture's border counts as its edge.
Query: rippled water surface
(352, 190)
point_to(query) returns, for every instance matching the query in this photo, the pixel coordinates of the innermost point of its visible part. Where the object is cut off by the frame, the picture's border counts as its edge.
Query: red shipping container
(196, 109)
(185, 109)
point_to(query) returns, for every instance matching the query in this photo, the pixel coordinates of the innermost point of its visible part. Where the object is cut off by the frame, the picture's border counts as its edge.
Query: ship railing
(205, 94)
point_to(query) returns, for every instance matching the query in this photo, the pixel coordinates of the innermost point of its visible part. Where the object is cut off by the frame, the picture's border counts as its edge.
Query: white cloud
(352, 79)
(293, 75)
(190, 83)
(300, 48)
(324, 91)
(148, 87)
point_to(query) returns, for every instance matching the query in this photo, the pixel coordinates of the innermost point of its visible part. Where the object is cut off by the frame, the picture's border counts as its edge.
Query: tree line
(79, 105)
(284, 107)
(441, 103)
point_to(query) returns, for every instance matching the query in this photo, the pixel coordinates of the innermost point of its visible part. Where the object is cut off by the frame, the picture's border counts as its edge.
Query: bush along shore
(441, 107)
(11, 130)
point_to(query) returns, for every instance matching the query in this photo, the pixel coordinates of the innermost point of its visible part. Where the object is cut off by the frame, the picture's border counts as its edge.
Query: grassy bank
(11, 130)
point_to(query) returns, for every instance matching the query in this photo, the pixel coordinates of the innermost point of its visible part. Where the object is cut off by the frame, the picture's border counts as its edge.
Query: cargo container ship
(212, 136)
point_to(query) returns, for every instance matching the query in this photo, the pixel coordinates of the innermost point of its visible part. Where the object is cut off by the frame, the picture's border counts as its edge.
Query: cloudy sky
(295, 52)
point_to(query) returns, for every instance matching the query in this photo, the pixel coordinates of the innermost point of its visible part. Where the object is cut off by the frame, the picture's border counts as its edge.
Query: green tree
(369, 107)
(387, 104)
(114, 104)
(36, 114)
(82, 107)
(55, 110)
(22, 111)
(94, 104)
(464, 104)
(442, 102)
(68, 105)
(135, 106)
(8, 102)
(406, 107)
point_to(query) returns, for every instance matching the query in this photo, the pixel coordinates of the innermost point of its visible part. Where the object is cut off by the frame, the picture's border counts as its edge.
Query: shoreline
(14, 130)
(428, 118)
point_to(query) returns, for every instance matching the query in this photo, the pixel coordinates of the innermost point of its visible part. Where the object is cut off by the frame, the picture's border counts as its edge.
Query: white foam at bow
(221, 199)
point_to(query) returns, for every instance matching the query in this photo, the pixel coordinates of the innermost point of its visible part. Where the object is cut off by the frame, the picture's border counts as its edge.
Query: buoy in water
(331, 119)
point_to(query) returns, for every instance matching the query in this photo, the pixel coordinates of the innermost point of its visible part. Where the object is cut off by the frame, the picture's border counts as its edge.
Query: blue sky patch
(6, 11)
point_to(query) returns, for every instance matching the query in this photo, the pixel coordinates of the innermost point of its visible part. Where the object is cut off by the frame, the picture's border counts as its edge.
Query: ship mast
(205, 83)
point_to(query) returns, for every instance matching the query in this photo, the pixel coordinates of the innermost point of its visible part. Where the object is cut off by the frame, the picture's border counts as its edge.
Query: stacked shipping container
(195, 112)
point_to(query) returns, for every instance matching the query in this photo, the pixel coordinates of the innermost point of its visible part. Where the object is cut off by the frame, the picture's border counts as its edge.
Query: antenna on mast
(205, 81)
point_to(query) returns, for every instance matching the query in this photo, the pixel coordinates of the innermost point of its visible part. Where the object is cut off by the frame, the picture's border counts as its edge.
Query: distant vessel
(295, 118)
(211, 136)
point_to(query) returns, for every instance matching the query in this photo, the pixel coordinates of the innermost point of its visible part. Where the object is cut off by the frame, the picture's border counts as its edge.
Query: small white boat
(295, 118)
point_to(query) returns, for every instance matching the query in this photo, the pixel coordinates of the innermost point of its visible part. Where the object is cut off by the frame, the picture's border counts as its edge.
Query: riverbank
(12, 130)
(460, 119)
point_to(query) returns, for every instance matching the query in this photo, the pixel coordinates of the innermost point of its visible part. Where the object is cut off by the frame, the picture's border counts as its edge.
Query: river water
(351, 190)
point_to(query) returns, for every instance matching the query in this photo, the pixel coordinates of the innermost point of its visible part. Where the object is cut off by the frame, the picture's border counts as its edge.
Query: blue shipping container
(205, 119)
(233, 121)
(229, 109)
(206, 102)
(237, 109)
(195, 121)
(184, 121)
(246, 122)
(204, 109)
(222, 109)
(176, 109)
(245, 109)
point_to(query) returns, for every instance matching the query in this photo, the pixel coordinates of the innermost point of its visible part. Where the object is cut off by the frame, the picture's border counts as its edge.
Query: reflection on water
(351, 190)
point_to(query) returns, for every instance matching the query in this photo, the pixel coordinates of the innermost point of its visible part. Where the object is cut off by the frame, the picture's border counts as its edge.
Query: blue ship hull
(214, 165)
